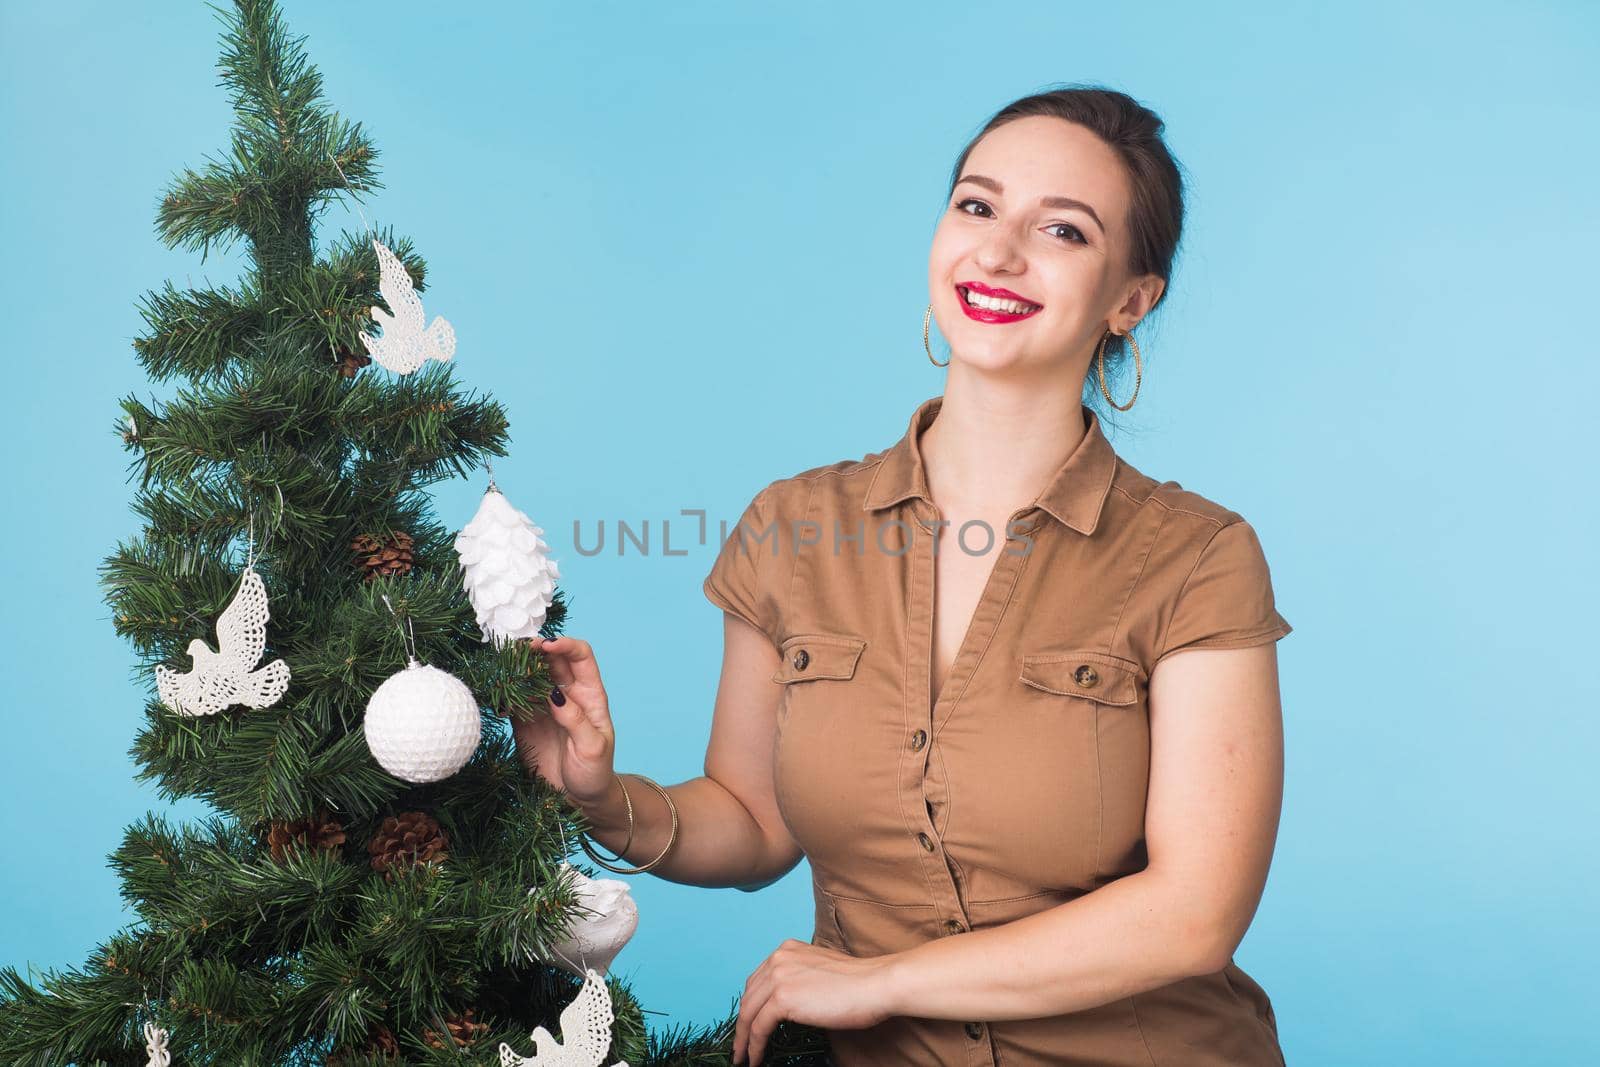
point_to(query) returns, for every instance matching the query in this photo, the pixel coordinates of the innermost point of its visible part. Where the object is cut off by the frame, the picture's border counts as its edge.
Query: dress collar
(1075, 493)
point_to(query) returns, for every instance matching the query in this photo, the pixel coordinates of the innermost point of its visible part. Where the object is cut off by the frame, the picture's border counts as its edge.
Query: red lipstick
(987, 315)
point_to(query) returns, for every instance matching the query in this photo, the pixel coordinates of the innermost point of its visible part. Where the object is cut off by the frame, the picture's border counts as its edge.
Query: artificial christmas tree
(327, 912)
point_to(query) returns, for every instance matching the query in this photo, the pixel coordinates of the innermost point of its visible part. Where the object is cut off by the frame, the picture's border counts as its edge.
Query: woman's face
(1039, 211)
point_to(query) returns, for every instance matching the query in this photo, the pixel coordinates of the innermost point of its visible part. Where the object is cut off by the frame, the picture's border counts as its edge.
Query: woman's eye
(1074, 235)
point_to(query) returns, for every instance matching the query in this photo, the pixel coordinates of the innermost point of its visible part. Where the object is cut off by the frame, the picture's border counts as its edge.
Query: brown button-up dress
(1025, 785)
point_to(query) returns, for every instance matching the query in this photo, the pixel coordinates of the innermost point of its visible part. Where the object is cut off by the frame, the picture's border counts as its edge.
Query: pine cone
(464, 1030)
(319, 831)
(380, 1042)
(389, 556)
(351, 361)
(409, 839)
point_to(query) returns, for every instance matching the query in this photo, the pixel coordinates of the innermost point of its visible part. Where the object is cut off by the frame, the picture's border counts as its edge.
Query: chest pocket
(1085, 709)
(812, 670)
(1089, 674)
(812, 657)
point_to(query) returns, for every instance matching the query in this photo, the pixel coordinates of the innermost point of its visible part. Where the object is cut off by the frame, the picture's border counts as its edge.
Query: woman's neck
(991, 450)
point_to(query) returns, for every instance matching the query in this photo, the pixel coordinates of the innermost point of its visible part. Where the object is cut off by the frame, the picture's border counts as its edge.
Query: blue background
(666, 234)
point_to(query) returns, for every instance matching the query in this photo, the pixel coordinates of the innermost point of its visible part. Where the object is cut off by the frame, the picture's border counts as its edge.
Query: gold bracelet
(626, 799)
(672, 837)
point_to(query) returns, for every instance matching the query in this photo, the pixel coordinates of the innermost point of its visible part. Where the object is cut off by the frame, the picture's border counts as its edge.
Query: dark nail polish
(557, 698)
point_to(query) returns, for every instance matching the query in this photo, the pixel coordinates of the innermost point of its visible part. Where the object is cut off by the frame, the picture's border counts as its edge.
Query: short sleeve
(740, 579)
(1227, 600)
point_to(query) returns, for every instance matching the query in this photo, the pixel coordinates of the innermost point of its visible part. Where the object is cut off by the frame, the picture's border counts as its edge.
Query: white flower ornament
(607, 917)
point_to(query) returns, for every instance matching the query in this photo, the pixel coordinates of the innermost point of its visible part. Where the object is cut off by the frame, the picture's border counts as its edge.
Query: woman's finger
(577, 720)
(572, 661)
(555, 658)
(750, 1001)
(761, 1029)
(576, 672)
(560, 675)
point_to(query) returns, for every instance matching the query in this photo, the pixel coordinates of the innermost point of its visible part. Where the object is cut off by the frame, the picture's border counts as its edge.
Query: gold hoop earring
(926, 321)
(1138, 369)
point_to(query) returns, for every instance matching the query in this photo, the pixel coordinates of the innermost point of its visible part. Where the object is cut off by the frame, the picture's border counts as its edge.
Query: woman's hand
(809, 984)
(572, 748)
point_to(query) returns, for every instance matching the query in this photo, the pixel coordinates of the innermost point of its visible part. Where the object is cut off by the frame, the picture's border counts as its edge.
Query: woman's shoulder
(1206, 561)
(1187, 509)
(1208, 556)
(841, 483)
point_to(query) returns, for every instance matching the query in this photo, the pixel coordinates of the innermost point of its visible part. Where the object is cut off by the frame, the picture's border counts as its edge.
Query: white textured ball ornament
(506, 570)
(422, 723)
(605, 918)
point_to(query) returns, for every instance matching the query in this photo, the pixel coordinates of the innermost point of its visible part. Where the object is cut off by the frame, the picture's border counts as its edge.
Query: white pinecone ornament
(506, 570)
(422, 723)
(605, 918)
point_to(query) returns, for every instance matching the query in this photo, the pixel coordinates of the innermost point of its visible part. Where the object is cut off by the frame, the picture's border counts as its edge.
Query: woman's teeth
(989, 303)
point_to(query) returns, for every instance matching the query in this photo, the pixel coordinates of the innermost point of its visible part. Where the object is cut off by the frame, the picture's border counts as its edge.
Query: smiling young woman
(1015, 700)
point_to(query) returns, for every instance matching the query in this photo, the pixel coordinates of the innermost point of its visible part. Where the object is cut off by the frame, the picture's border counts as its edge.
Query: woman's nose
(1001, 251)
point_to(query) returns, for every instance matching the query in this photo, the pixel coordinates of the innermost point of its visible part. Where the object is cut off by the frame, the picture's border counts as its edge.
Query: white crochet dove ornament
(229, 675)
(606, 919)
(422, 723)
(585, 1029)
(405, 345)
(506, 570)
(155, 1046)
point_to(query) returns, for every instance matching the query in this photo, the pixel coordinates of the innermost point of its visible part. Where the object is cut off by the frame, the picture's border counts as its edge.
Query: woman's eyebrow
(1044, 201)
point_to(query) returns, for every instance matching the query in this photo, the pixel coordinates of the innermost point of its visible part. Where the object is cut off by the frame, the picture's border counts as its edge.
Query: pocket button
(1086, 676)
(801, 658)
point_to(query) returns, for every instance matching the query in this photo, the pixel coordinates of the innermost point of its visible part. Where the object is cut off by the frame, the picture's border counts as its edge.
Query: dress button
(918, 739)
(1086, 676)
(974, 1030)
(802, 657)
(954, 926)
(925, 841)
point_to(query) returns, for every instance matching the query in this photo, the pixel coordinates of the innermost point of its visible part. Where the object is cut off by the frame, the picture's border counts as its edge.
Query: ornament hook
(354, 198)
(251, 552)
(411, 645)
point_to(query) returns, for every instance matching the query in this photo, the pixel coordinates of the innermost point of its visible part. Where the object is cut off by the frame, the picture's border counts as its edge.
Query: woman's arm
(729, 832)
(1211, 818)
